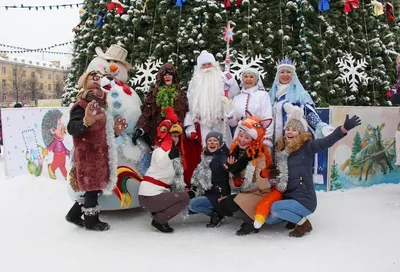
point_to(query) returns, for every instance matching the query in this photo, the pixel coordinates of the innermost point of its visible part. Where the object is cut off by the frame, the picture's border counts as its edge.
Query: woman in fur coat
(94, 159)
(162, 190)
(249, 156)
(210, 180)
(295, 153)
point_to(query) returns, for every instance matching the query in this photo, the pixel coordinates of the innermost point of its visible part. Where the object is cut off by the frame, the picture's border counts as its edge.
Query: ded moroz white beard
(206, 90)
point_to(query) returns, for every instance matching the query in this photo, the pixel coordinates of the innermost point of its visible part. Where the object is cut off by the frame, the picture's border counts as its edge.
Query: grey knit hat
(216, 135)
(296, 124)
(295, 118)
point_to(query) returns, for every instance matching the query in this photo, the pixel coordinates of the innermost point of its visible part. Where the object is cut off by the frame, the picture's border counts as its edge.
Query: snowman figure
(112, 62)
(125, 103)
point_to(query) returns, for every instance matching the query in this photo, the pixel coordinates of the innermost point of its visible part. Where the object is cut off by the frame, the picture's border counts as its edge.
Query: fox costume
(250, 159)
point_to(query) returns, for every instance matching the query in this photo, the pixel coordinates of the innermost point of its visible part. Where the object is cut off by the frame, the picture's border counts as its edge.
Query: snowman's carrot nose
(113, 67)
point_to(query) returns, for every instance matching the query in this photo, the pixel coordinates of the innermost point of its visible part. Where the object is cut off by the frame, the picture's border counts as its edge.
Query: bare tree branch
(18, 82)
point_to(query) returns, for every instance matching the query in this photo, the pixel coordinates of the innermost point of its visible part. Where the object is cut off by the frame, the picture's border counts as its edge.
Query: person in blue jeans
(210, 180)
(294, 155)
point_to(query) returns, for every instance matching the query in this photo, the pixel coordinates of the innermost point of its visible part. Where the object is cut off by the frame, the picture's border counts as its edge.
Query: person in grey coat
(294, 156)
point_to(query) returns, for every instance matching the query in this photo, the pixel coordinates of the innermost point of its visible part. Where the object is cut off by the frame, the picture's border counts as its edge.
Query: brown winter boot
(302, 229)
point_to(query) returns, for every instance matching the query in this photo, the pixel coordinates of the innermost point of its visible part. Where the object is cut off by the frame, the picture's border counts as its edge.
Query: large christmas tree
(159, 29)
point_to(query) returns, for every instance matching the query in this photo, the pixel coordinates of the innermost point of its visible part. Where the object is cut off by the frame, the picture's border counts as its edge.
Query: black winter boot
(215, 220)
(164, 228)
(246, 229)
(74, 215)
(248, 226)
(92, 221)
(290, 225)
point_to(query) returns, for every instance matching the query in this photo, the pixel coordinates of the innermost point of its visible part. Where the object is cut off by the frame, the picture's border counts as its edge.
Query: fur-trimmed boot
(74, 215)
(303, 227)
(91, 212)
(92, 221)
(248, 225)
(215, 220)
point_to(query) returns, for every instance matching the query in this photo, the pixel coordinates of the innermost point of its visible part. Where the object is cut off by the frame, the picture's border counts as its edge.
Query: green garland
(166, 96)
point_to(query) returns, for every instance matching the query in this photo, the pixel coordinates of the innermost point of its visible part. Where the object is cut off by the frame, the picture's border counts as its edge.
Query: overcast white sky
(37, 29)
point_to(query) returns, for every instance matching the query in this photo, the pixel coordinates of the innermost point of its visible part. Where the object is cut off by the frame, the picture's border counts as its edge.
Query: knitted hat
(205, 57)
(216, 135)
(295, 118)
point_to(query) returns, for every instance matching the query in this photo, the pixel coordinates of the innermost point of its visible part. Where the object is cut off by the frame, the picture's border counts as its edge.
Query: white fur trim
(257, 224)
(205, 57)
(289, 67)
(91, 211)
(112, 153)
(282, 89)
(326, 130)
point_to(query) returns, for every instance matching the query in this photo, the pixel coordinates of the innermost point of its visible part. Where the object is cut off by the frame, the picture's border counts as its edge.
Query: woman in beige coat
(248, 165)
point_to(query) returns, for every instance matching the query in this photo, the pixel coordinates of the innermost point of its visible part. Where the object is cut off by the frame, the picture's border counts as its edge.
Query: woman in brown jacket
(248, 158)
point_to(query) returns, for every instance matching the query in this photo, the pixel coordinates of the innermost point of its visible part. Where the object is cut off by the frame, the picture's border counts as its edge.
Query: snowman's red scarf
(125, 88)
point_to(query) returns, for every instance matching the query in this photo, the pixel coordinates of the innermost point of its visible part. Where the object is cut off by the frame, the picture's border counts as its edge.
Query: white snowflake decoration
(146, 74)
(352, 71)
(243, 62)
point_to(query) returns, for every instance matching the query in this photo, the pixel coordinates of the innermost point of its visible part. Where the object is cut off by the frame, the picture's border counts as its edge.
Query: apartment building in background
(25, 80)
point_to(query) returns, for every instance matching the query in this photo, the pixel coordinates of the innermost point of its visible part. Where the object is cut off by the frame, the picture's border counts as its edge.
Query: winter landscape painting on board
(367, 156)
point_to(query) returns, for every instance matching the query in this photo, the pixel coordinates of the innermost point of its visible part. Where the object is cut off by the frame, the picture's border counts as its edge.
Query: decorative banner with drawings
(36, 142)
(367, 155)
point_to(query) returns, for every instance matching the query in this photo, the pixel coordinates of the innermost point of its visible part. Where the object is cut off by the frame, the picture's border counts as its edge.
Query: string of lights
(41, 7)
(30, 51)
(35, 49)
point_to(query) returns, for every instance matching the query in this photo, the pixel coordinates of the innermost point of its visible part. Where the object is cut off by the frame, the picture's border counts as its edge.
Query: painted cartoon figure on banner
(53, 133)
(35, 154)
(397, 139)
(369, 156)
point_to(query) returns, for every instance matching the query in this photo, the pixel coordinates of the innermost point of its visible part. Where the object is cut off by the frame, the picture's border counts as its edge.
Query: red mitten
(270, 172)
(193, 136)
(237, 181)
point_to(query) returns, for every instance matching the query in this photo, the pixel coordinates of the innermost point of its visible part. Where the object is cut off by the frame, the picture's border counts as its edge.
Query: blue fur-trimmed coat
(300, 185)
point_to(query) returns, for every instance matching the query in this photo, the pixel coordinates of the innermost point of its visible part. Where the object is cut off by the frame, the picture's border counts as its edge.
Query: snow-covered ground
(354, 230)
